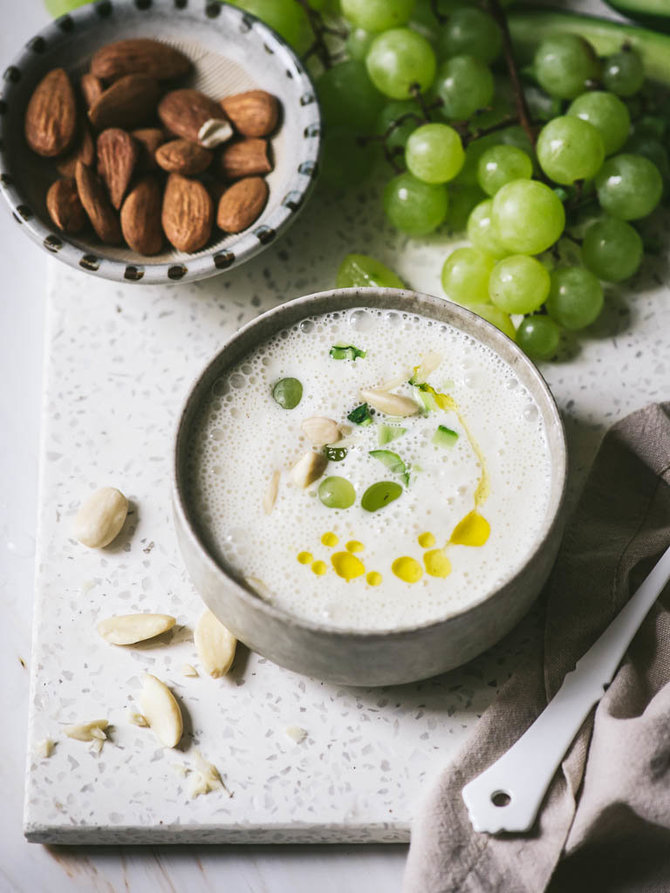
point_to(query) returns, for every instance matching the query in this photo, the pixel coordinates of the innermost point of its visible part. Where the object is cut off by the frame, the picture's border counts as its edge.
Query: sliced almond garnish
(206, 778)
(161, 711)
(321, 430)
(296, 733)
(390, 404)
(308, 469)
(189, 670)
(88, 731)
(45, 748)
(428, 364)
(215, 645)
(270, 495)
(137, 719)
(128, 629)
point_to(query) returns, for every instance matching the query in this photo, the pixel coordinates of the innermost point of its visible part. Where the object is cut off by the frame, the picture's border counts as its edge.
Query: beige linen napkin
(605, 823)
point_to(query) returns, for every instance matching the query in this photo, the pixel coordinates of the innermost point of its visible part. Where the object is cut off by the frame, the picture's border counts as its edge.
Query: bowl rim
(214, 260)
(493, 338)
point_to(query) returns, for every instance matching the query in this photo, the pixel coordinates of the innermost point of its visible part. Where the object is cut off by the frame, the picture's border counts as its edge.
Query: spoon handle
(507, 796)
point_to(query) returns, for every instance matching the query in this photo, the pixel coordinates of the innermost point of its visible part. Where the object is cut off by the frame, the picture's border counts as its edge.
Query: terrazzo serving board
(119, 360)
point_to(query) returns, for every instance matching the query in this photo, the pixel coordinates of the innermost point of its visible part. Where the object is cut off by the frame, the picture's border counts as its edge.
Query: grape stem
(523, 114)
(319, 28)
(440, 16)
(415, 90)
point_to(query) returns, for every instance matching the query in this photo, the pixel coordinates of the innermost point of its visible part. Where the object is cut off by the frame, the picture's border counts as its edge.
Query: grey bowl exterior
(355, 657)
(213, 27)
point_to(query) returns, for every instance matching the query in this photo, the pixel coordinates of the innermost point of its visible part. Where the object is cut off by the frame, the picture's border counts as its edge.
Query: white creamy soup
(432, 487)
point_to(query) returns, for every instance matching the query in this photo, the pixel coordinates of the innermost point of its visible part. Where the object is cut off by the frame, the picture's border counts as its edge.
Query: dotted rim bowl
(304, 116)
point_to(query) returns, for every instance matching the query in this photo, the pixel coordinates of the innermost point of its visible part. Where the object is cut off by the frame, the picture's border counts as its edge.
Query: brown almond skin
(91, 88)
(188, 213)
(139, 56)
(183, 157)
(241, 204)
(99, 210)
(50, 123)
(148, 140)
(117, 159)
(183, 112)
(83, 150)
(129, 102)
(245, 158)
(254, 113)
(141, 217)
(64, 206)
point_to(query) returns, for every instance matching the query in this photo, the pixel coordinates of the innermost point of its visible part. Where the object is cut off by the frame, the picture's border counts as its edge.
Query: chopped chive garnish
(445, 436)
(346, 352)
(361, 415)
(387, 433)
(334, 454)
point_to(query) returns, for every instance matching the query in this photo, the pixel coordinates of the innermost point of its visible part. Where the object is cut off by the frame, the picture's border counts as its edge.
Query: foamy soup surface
(446, 489)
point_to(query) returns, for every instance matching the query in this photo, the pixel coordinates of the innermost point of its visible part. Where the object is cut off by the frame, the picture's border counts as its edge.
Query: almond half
(243, 203)
(254, 113)
(64, 206)
(129, 629)
(188, 213)
(161, 711)
(215, 645)
(117, 158)
(50, 123)
(141, 217)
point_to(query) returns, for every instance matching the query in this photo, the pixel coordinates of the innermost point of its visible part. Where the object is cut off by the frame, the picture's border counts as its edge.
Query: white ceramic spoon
(508, 795)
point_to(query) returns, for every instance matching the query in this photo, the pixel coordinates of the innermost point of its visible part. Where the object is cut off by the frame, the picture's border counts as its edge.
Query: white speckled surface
(119, 361)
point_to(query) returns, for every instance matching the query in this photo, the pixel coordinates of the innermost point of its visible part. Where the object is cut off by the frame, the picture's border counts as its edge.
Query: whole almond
(141, 217)
(91, 88)
(83, 150)
(100, 517)
(129, 102)
(188, 213)
(243, 203)
(50, 123)
(97, 205)
(254, 113)
(245, 158)
(64, 206)
(117, 157)
(148, 139)
(183, 157)
(183, 112)
(139, 56)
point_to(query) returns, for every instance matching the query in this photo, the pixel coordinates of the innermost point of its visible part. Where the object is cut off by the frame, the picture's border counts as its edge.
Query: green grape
(380, 495)
(538, 336)
(465, 276)
(337, 493)
(398, 60)
(481, 231)
(424, 17)
(575, 298)
(58, 8)
(415, 207)
(519, 284)
(377, 15)
(462, 202)
(344, 161)
(623, 72)
(652, 126)
(471, 32)
(629, 186)
(362, 271)
(464, 84)
(473, 152)
(286, 17)
(653, 149)
(563, 65)
(496, 317)
(348, 98)
(570, 149)
(612, 249)
(358, 43)
(393, 111)
(502, 164)
(528, 216)
(434, 153)
(607, 113)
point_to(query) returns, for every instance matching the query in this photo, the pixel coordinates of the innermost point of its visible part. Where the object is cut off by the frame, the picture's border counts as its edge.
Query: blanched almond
(321, 430)
(215, 645)
(308, 469)
(391, 404)
(128, 629)
(100, 519)
(161, 711)
(270, 495)
(87, 731)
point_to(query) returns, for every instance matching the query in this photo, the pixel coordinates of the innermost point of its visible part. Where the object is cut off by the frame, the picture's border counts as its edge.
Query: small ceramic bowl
(354, 656)
(232, 52)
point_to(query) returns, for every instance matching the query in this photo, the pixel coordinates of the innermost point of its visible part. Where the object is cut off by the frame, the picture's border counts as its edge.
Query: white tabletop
(30, 867)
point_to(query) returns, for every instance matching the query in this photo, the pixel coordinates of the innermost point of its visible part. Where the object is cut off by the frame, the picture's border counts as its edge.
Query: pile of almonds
(141, 161)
